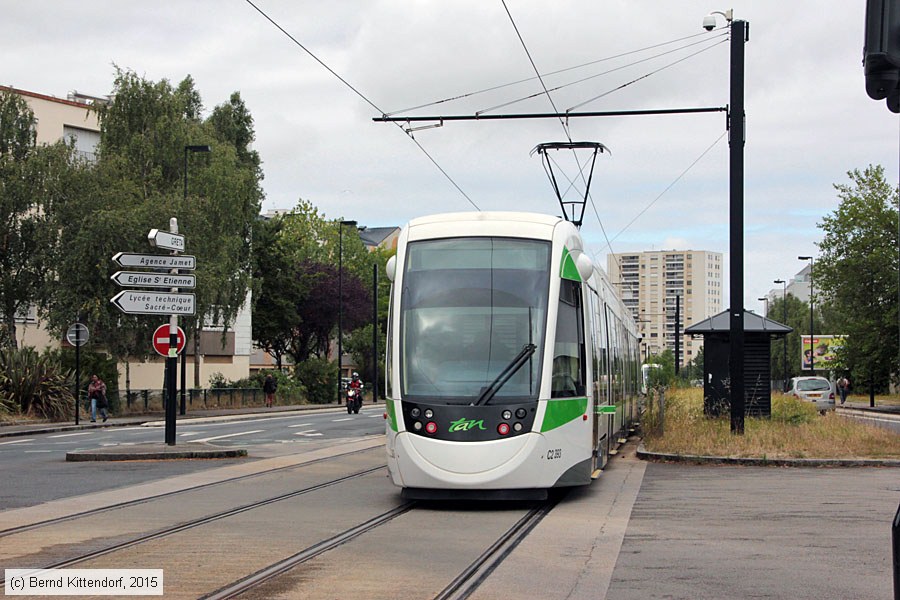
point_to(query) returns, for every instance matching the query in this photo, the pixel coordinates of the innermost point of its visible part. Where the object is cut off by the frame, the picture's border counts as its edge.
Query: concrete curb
(155, 452)
(643, 454)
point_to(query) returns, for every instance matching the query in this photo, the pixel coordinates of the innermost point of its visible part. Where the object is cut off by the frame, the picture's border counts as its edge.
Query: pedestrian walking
(97, 396)
(843, 386)
(269, 387)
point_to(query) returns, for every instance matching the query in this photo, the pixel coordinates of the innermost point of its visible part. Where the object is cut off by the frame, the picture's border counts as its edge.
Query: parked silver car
(814, 389)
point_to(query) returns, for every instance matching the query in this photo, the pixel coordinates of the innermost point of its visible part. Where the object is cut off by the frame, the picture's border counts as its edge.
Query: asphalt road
(35, 468)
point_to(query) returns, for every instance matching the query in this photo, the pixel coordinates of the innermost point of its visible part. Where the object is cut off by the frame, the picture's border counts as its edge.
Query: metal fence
(153, 400)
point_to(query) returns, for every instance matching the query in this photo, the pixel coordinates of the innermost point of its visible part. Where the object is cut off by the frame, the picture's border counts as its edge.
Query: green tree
(857, 273)
(34, 179)
(138, 185)
(798, 319)
(359, 342)
(662, 377)
(276, 286)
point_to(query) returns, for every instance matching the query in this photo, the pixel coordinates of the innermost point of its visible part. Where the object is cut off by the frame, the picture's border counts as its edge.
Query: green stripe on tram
(392, 417)
(606, 410)
(567, 268)
(562, 411)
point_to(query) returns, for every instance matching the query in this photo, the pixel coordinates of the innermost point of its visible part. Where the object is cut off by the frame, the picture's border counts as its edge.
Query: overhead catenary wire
(607, 72)
(362, 96)
(670, 186)
(536, 71)
(548, 74)
(651, 73)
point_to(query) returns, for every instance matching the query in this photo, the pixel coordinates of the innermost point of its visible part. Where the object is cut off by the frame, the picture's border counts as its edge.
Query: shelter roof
(753, 323)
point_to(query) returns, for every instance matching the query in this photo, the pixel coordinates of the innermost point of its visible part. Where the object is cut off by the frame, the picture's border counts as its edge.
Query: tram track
(481, 568)
(274, 570)
(459, 588)
(116, 506)
(195, 523)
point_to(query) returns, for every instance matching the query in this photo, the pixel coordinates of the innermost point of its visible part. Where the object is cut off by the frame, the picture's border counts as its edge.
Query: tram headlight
(417, 425)
(507, 415)
(431, 427)
(415, 412)
(503, 428)
(520, 413)
(517, 427)
(429, 413)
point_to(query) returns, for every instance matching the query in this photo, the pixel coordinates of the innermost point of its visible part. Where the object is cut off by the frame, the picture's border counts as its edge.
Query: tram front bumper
(519, 462)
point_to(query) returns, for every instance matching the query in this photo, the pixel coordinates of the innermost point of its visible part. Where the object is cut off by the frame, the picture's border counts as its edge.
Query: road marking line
(190, 433)
(72, 434)
(300, 425)
(344, 419)
(308, 432)
(17, 442)
(230, 435)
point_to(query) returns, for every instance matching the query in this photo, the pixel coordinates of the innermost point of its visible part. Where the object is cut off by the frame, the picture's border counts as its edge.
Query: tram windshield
(469, 309)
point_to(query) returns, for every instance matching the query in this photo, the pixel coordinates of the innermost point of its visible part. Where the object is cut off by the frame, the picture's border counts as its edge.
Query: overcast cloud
(809, 120)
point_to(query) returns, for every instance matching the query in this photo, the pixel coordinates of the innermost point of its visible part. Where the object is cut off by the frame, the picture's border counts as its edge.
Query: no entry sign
(161, 340)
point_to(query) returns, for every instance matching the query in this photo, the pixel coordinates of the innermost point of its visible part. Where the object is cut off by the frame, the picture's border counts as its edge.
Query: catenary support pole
(736, 139)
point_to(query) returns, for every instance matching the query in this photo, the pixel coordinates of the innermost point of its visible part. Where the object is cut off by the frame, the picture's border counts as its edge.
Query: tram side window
(569, 352)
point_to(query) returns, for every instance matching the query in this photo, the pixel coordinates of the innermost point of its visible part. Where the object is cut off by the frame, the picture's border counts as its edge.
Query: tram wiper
(506, 374)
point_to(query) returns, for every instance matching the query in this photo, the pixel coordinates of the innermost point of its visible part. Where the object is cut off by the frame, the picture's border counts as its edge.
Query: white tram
(512, 364)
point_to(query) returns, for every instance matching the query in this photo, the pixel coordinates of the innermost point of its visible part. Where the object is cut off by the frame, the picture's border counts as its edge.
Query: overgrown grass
(795, 430)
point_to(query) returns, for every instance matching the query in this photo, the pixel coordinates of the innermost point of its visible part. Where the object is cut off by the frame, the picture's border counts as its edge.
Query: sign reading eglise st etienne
(160, 280)
(154, 303)
(153, 261)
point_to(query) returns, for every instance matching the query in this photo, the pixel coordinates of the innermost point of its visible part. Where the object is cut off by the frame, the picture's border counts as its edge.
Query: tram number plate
(554, 453)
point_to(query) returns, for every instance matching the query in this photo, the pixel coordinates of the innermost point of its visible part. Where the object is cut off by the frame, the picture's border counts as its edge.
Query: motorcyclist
(356, 384)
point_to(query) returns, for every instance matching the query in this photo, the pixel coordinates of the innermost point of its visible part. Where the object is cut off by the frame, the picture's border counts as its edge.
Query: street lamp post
(765, 301)
(784, 320)
(182, 408)
(812, 370)
(341, 300)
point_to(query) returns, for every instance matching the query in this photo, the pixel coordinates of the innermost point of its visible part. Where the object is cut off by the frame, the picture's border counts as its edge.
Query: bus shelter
(758, 334)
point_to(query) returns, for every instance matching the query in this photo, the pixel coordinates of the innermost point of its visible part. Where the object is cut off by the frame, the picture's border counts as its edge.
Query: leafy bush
(35, 385)
(290, 391)
(789, 410)
(319, 377)
(91, 363)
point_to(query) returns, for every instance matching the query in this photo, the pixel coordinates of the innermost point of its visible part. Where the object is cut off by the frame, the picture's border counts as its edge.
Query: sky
(662, 185)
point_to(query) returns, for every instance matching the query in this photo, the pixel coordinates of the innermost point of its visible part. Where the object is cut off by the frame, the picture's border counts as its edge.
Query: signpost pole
(77, 368)
(172, 359)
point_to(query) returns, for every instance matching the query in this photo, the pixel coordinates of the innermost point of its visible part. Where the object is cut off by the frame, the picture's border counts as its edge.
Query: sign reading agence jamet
(153, 261)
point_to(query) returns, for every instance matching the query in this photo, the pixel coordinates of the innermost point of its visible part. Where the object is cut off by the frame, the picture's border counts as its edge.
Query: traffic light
(881, 55)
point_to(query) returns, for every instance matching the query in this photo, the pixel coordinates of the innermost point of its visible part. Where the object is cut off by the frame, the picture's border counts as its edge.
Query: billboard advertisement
(824, 352)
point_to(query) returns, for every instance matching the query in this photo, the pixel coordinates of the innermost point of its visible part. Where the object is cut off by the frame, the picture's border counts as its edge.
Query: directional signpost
(134, 302)
(168, 340)
(161, 280)
(164, 239)
(155, 261)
